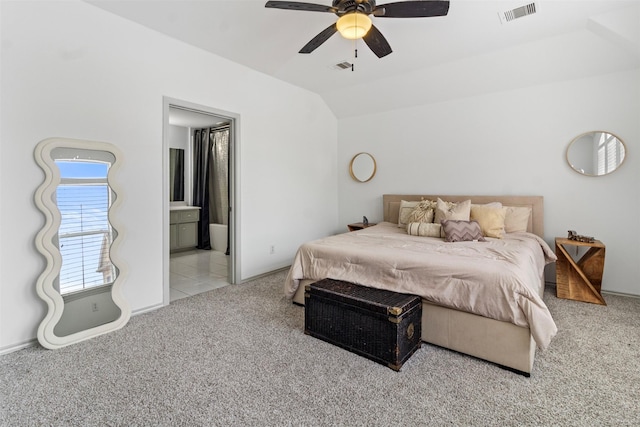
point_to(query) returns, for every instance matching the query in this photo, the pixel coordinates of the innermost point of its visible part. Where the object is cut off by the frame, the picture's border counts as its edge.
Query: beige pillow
(424, 229)
(423, 212)
(490, 218)
(405, 210)
(516, 218)
(491, 204)
(448, 210)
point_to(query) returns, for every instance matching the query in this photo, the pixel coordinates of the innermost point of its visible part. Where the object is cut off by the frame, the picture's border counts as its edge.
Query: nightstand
(359, 226)
(580, 280)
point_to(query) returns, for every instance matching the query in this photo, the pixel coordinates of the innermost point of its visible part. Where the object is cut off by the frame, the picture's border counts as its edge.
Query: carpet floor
(238, 356)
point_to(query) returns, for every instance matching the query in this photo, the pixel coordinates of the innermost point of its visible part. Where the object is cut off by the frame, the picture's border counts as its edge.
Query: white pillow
(516, 218)
(449, 210)
(424, 229)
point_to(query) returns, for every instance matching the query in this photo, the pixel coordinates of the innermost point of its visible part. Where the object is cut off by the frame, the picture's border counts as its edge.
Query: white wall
(179, 137)
(511, 143)
(72, 70)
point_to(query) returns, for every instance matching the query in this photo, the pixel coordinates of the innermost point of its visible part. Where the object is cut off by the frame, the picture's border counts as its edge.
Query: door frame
(233, 275)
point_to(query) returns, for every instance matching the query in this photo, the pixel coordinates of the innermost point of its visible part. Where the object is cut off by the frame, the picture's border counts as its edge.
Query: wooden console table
(580, 280)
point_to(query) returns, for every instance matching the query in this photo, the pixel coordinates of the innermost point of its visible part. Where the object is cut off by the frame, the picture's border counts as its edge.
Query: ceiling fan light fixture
(354, 25)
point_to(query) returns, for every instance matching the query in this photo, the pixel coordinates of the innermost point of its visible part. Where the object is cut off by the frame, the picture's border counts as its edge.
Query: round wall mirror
(362, 167)
(596, 153)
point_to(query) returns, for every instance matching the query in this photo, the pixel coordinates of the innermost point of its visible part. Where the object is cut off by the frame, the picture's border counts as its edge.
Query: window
(84, 237)
(609, 153)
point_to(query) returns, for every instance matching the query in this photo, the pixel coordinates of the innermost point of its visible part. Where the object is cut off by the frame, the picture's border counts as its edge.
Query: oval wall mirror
(596, 153)
(82, 280)
(362, 167)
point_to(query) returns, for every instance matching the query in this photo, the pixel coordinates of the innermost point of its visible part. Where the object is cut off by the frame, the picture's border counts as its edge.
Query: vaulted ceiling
(468, 52)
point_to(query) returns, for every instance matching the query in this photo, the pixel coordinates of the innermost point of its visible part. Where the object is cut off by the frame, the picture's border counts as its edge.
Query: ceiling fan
(354, 21)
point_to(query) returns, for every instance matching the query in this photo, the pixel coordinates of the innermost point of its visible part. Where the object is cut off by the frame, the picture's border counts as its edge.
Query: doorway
(185, 117)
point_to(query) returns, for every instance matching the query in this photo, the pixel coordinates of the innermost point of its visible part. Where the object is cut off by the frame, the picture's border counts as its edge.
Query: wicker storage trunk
(381, 325)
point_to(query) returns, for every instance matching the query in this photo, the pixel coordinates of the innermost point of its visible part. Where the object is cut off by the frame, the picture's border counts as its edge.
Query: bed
(483, 299)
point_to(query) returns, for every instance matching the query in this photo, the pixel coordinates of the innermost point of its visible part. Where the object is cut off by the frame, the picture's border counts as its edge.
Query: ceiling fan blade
(412, 9)
(319, 39)
(377, 43)
(294, 5)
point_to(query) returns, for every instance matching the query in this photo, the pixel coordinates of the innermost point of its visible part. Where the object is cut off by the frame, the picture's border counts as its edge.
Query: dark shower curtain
(211, 181)
(202, 144)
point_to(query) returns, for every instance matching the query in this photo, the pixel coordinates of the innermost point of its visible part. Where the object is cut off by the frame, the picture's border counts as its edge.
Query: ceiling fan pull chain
(355, 53)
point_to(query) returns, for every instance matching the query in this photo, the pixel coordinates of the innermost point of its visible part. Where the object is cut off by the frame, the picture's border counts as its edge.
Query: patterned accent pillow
(424, 229)
(423, 212)
(491, 219)
(405, 210)
(462, 231)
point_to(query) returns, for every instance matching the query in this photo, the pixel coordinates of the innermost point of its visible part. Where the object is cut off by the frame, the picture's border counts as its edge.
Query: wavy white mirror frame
(47, 244)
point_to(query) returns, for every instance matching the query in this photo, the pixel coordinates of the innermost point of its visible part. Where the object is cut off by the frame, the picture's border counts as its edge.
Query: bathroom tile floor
(196, 271)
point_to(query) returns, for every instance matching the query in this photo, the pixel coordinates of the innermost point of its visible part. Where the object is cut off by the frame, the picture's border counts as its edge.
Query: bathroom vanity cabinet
(183, 227)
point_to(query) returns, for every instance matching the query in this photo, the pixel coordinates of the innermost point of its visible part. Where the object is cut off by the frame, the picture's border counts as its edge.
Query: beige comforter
(496, 279)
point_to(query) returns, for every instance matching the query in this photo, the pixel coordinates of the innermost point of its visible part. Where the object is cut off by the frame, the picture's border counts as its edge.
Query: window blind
(84, 236)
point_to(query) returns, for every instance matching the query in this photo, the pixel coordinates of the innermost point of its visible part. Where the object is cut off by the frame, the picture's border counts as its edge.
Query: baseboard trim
(34, 341)
(268, 273)
(16, 347)
(147, 309)
(620, 294)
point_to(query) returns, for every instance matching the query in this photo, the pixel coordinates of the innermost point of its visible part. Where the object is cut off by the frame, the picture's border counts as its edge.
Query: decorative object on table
(580, 238)
(378, 324)
(580, 280)
(365, 221)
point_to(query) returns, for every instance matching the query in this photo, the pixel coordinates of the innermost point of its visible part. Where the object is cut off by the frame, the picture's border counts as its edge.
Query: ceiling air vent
(344, 65)
(518, 12)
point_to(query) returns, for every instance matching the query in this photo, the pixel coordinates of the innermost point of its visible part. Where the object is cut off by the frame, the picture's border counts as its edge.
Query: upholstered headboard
(391, 206)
